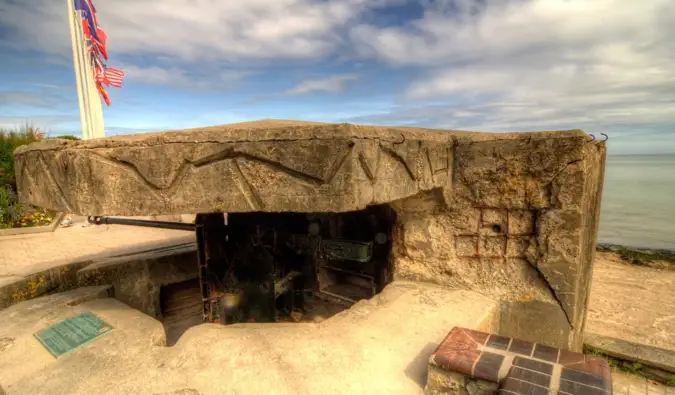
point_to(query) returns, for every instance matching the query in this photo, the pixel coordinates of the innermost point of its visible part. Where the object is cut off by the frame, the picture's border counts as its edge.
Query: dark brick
(573, 388)
(569, 357)
(488, 366)
(583, 378)
(596, 366)
(460, 361)
(522, 387)
(499, 342)
(546, 353)
(530, 376)
(531, 364)
(478, 337)
(456, 353)
(521, 347)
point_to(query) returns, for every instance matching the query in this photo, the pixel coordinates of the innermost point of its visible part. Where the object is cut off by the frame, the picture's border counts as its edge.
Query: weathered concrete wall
(519, 224)
(279, 167)
(138, 279)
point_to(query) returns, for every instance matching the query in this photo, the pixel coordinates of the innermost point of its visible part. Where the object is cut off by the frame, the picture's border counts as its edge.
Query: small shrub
(11, 140)
(66, 137)
(10, 210)
(12, 214)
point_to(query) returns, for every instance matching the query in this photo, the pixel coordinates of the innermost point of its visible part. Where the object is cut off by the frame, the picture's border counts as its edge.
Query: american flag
(97, 41)
(103, 94)
(114, 76)
(96, 46)
(107, 75)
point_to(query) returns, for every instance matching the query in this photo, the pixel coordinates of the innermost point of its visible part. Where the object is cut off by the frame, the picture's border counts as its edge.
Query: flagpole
(95, 109)
(98, 110)
(77, 68)
(93, 105)
(85, 59)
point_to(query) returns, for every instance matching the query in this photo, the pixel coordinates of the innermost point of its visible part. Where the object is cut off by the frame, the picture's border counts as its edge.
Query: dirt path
(632, 303)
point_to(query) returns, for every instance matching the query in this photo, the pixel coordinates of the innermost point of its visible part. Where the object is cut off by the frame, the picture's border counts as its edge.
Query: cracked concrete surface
(381, 346)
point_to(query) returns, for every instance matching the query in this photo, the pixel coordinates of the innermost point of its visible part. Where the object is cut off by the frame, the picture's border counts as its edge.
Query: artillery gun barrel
(141, 222)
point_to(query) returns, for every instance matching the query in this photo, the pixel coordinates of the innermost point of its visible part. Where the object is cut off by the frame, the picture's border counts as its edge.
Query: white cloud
(180, 77)
(334, 83)
(478, 64)
(195, 29)
(535, 64)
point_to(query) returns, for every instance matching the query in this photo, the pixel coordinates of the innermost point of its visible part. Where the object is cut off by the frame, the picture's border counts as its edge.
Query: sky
(603, 66)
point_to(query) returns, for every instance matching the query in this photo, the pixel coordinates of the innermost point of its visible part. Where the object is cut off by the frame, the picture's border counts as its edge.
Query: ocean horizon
(638, 201)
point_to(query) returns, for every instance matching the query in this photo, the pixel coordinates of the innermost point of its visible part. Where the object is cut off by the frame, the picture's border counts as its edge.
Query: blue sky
(487, 65)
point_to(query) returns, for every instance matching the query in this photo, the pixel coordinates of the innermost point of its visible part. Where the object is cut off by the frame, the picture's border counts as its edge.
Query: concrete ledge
(138, 278)
(621, 349)
(55, 279)
(34, 229)
(65, 276)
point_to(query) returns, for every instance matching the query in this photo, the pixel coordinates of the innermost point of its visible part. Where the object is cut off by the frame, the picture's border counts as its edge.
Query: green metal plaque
(347, 250)
(65, 336)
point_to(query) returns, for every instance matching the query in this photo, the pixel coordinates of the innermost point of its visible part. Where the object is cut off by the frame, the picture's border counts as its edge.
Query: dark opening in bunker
(285, 267)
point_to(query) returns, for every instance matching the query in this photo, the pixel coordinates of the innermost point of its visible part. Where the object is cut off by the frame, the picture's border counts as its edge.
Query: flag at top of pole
(96, 40)
(92, 74)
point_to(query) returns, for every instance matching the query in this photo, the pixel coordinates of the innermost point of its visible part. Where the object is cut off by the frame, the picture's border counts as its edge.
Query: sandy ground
(627, 384)
(632, 303)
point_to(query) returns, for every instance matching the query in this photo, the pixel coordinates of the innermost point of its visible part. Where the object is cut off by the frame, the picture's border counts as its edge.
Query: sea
(638, 201)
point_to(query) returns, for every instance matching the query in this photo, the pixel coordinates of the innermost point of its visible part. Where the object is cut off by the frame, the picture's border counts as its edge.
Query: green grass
(630, 367)
(644, 258)
(11, 139)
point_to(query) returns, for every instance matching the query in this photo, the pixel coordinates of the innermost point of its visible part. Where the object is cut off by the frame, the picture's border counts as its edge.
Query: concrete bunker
(510, 216)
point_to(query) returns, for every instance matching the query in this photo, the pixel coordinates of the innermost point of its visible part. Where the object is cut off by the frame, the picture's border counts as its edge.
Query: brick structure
(478, 363)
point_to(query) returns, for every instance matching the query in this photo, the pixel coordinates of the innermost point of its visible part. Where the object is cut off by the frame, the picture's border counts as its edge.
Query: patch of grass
(660, 259)
(630, 367)
(65, 137)
(13, 214)
(644, 258)
(11, 140)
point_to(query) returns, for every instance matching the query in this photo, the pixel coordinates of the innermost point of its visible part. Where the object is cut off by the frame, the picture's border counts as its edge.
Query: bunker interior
(261, 267)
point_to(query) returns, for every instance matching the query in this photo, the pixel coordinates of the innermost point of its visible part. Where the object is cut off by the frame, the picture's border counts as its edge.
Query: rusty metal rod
(141, 222)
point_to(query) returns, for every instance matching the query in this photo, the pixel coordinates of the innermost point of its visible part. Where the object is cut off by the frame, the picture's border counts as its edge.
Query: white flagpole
(77, 68)
(99, 131)
(95, 111)
(97, 107)
(82, 71)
